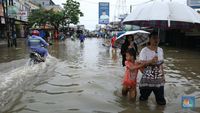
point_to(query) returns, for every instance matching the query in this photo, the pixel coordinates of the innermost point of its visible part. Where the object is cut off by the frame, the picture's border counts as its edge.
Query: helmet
(35, 32)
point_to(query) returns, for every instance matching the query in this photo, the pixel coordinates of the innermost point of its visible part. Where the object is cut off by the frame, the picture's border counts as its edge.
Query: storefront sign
(22, 13)
(12, 11)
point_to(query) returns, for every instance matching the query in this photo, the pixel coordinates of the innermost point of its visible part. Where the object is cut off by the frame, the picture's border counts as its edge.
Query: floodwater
(87, 79)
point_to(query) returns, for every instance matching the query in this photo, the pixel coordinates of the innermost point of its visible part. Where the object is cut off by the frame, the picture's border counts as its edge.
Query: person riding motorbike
(37, 44)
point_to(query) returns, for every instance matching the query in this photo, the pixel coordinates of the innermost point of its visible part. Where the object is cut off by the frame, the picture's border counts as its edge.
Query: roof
(33, 5)
(55, 8)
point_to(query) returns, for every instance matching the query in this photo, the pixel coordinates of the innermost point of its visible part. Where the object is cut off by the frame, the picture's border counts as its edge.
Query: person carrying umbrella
(153, 74)
(128, 44)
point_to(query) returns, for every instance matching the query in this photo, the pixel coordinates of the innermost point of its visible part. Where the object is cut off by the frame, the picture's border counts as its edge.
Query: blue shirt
(36, 42)
(82, 37)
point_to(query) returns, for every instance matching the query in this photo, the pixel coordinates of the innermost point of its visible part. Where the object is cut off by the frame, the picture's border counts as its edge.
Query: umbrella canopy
(162, 14)
(140, 37)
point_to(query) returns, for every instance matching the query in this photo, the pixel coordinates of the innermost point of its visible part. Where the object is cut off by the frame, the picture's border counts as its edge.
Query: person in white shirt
(153, 75)
(104, 17)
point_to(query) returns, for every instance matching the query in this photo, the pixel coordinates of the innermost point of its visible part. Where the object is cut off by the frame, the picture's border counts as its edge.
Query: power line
(89, 2)
(87, 20)
(142, 3)
(96, 3)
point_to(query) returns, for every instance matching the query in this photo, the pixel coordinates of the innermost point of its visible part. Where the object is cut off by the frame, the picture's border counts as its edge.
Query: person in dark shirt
(128, 44)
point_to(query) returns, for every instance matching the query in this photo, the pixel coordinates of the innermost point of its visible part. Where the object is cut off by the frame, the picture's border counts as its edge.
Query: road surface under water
(87, 79)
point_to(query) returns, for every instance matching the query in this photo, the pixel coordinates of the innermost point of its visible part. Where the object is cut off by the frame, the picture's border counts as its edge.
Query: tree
(70, 15)
(56, 18)
(42, 17)
(72, 12)
(37, 17)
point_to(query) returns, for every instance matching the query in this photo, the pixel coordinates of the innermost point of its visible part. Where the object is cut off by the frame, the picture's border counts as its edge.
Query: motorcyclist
(37, 44)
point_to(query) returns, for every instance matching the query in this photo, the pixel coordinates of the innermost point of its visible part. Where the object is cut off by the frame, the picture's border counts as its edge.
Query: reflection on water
(12, 53)
(87, 79)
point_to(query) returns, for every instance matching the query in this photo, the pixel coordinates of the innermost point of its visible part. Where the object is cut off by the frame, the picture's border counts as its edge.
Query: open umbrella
(162, 14)
(140, 37)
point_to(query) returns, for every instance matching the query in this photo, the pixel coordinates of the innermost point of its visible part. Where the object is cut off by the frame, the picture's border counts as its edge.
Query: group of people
(37, 44)
(150, 63)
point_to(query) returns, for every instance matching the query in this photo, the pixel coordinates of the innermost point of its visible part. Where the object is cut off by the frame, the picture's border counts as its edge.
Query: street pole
(131, 8)
(7, 19)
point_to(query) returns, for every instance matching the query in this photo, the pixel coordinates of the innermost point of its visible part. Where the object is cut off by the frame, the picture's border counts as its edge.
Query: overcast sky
(90, 9)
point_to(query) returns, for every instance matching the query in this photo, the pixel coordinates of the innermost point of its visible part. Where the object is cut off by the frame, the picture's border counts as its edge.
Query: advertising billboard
(193, 3)
(104, 12)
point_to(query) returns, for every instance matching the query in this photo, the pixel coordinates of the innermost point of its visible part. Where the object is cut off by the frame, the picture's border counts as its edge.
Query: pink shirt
(130, 77)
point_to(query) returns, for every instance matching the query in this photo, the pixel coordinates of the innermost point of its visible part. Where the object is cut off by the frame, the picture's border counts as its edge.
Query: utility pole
(131, 8)
(10, 23)
(120, 11)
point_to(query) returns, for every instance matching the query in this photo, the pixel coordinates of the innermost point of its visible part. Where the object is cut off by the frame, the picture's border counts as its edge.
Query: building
(5, 20)
(19, 14)
(55, 8)
(14, 15)
(43, 3)
(13, 18)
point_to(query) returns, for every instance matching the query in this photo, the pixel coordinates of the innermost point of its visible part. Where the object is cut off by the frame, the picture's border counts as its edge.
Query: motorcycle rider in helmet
(37, 44)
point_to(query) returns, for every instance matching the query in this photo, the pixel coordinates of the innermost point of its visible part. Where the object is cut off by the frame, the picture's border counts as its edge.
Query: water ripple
(55, 93)
(69, 85)
(74, 109)
(28, 109)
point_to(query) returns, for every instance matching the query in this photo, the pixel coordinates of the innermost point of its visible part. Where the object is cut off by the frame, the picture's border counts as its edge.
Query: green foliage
(70, 15)
(56, 18)
(72, 12)
(42, 17)
(37, 16)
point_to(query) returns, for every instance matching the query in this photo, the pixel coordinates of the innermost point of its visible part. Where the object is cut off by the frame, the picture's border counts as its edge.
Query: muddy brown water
(86, 78)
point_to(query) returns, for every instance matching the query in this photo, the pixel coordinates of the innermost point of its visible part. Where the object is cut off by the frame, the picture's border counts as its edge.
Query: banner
(104, 13)
(23, 13)
(12, 11)
(193, 3)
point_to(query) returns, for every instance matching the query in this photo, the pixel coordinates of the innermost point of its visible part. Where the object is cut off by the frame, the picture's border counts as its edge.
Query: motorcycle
(35, 58)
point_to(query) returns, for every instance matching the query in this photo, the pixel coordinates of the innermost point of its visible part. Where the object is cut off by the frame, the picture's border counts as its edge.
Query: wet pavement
(86, 78)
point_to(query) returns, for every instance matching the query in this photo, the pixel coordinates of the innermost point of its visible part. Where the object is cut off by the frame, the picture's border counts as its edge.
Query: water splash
(15, 82)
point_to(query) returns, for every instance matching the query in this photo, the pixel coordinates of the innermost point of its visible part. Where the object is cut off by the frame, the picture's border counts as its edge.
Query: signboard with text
(104, 13)
(23, 13)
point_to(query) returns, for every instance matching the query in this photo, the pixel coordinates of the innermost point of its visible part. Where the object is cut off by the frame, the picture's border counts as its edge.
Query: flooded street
(87, 79)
